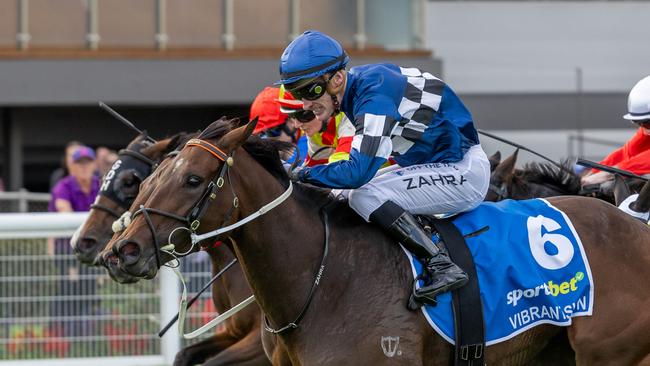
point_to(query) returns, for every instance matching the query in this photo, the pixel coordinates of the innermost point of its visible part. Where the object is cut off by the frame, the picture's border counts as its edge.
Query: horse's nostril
(129, 251)
(111, 260)
(86, 244)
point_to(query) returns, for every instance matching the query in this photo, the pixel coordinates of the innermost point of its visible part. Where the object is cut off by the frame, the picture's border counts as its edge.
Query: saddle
(469, 325)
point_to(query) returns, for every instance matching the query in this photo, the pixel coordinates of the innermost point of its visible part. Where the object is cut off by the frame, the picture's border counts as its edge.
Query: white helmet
(638, 102)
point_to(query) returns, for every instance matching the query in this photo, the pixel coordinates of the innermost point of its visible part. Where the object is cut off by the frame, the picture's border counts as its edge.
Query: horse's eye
(193, 181)
(129, 182)
(126, 179)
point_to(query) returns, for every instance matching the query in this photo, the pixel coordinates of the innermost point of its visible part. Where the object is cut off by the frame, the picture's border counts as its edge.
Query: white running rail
(55, 311)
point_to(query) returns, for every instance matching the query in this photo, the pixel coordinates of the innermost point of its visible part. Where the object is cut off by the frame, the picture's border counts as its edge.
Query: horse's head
(119, 188)
(107, 257)
(502, 175)
(495, 159)
(174, 201)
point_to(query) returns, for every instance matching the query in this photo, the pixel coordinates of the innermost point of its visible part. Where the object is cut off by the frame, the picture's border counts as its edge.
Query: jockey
(400, 113)
(272, 122)
(327, 142)
(634, 156)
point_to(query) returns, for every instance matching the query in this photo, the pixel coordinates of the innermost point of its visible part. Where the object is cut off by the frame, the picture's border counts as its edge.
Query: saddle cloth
(531, 266)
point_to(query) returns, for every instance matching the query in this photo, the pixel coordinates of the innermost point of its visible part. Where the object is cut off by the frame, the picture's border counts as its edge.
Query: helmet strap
(332, 92)
(323, 126)
(336, 104)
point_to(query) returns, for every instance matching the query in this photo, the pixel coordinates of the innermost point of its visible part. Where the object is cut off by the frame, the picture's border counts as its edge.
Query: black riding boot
(441, 273)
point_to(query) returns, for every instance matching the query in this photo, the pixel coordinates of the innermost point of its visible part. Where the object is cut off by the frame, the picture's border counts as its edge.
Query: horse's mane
(267, 153)
(549, 174)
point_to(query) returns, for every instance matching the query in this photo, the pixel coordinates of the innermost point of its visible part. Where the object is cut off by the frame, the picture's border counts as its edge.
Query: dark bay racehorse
(362, 291)
(534, 180)
(548, 180)
(239, 342)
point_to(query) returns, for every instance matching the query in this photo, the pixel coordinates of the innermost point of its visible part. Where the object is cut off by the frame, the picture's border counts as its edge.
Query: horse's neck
(280, 252)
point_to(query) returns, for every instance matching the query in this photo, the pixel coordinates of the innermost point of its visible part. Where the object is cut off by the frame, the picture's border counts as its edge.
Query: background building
(542, 73)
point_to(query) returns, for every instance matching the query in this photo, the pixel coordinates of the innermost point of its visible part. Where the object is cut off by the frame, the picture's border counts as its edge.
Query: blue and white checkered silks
(531, 265)
(398, 112)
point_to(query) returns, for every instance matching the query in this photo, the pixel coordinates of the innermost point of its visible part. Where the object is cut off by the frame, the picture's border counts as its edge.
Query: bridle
(143, 167)
(192, 220)
(501, 191)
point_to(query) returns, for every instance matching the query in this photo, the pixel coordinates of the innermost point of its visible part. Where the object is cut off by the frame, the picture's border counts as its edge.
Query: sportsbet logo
(548, 288)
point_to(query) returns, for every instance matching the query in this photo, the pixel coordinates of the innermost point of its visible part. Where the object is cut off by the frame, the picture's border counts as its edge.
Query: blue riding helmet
(310, 55)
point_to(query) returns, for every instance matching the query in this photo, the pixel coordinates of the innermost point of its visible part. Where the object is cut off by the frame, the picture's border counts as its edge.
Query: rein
(294, 324)
(523, 148)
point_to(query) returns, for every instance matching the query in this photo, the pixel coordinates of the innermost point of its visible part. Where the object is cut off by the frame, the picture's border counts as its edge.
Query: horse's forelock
(139, 143)
(219, 128)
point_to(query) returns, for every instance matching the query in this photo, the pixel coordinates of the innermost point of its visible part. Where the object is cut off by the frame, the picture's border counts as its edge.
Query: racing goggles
(277, 131)
(303, 116)
(311, 91)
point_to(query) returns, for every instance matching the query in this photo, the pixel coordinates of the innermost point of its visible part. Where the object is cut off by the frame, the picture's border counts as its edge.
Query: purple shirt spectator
(68, 189)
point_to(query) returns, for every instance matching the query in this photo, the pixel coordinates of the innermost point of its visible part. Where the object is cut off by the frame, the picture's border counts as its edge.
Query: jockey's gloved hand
(298, 173)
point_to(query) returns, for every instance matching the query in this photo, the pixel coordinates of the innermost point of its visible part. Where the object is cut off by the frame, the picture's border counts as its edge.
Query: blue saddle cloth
(531, 266)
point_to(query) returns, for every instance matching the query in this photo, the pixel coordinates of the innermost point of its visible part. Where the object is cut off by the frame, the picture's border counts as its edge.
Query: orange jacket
(634, 156)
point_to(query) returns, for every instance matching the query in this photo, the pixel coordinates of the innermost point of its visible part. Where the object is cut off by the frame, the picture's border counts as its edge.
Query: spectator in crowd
(66, 160)
(105, 159)
(75, 192)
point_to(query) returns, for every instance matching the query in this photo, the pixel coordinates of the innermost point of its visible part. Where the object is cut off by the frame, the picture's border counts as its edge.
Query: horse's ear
(621, 189)
(235, 138)
(642, 203)
(506, 168)
(495, 159)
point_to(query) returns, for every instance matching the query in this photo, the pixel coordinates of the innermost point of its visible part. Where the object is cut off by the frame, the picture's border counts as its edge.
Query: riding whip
(522, 148)
(609, 169)
(125, 121)
(196, 297)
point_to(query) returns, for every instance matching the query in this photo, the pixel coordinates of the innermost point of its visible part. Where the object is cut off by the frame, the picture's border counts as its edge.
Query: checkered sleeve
(371, 147)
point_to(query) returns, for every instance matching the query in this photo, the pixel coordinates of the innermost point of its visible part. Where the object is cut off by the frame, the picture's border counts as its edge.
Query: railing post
(228, 36)
(23, 37)
(294, 19)
(22, 200)
(170, 293)
(360, 38)
(418, 28)
(92, 25)
(161, 25)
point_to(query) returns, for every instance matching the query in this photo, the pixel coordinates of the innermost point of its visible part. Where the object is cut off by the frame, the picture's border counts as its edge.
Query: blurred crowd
(75, 184)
